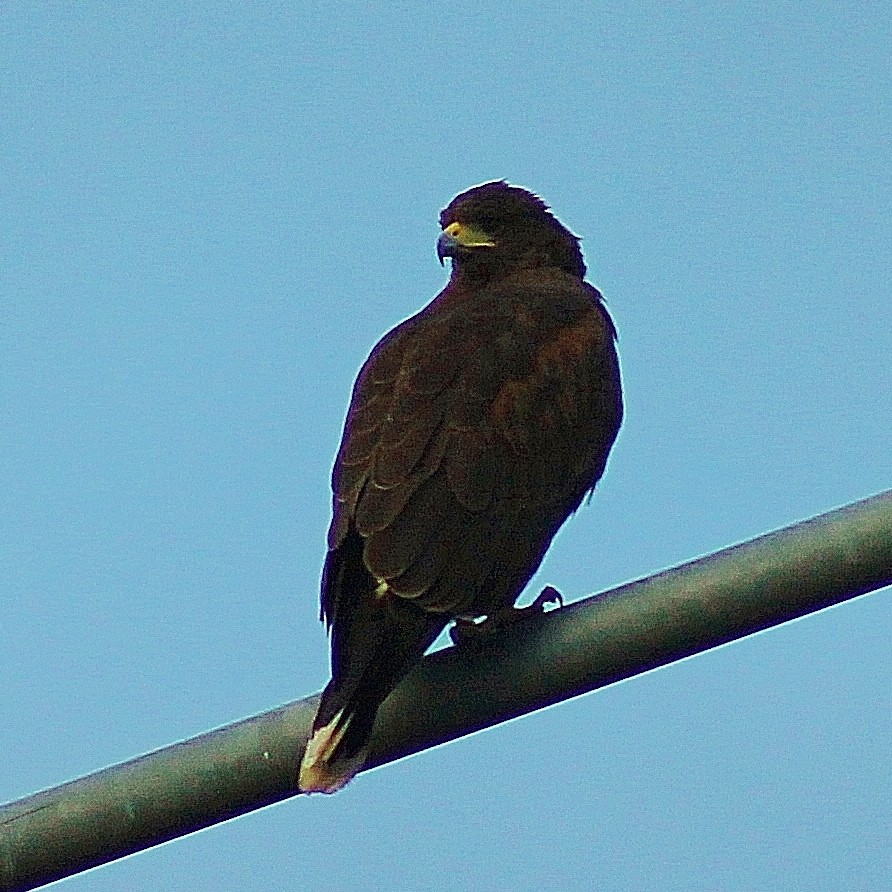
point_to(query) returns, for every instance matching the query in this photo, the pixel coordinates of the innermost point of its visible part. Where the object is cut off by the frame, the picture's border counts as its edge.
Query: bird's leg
(466, 630)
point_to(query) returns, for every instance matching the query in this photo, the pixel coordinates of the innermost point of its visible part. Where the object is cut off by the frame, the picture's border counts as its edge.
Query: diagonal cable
(548, 658)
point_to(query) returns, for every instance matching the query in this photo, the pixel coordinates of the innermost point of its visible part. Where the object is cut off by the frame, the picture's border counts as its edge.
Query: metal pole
(548, 658)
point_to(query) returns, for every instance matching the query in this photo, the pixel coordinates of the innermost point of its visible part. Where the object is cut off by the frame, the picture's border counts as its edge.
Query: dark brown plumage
(475, 429)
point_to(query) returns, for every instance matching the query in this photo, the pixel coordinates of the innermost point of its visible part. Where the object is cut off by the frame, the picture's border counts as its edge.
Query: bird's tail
(372, 649)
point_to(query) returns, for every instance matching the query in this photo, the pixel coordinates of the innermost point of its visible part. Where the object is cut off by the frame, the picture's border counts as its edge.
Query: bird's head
(497, 227)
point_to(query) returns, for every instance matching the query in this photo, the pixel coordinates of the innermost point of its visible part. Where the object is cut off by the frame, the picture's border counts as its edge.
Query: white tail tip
(317, 774)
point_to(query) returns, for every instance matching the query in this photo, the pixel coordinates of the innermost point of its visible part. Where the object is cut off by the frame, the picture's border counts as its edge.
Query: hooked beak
(457, 237)
(446, 247)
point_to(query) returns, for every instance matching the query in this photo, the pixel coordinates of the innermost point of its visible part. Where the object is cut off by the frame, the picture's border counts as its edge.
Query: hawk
(476, 427)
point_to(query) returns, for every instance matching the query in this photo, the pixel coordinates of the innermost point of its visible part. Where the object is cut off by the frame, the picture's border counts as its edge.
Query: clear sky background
(211, 211)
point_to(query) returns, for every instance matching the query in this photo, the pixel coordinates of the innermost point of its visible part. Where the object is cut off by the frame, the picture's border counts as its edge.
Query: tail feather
(373, 647)
(319, 773)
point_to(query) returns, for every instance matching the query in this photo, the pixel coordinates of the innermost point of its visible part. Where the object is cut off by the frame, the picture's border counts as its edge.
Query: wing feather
(472, 434)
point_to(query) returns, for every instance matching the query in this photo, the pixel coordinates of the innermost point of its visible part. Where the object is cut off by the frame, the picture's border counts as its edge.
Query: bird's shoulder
(474, 344)
(527, 366)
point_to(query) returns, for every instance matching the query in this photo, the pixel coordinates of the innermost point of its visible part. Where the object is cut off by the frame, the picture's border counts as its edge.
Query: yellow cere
(468, 236)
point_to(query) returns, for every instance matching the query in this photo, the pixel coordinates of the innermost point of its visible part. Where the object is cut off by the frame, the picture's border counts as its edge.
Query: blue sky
(210, 213)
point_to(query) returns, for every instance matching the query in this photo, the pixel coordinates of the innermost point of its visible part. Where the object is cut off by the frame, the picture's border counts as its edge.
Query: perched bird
(476, 427)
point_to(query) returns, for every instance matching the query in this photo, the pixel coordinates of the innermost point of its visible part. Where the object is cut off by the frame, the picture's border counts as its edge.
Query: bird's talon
(548, 595)
(467, 631)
